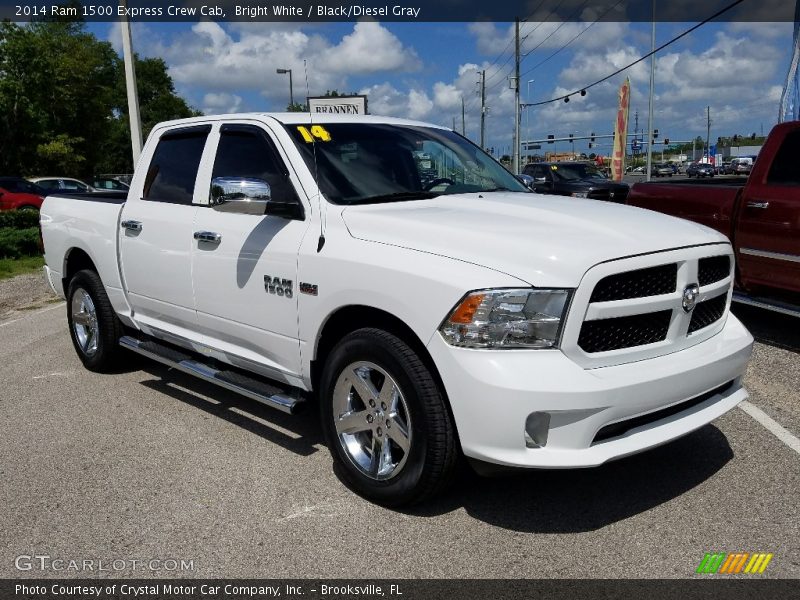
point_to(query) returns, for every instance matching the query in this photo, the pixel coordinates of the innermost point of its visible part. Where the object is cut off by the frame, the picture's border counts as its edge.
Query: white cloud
(221, 103)
(243, 57)
(371, 48)
(419, 105)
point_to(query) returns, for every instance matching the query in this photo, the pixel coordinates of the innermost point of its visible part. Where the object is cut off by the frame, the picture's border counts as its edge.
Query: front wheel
(385, 419)
(93, 325)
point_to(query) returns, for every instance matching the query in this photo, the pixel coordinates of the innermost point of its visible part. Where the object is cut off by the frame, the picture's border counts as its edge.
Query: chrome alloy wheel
(372, 420)
(84, 322)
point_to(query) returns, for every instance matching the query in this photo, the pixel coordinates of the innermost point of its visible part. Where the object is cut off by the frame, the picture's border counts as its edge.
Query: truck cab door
(768, 228)
(156, 230)
(244, 266)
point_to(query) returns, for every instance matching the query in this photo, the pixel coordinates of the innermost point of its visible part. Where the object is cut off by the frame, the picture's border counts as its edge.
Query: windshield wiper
(395, 197)
(499, 189)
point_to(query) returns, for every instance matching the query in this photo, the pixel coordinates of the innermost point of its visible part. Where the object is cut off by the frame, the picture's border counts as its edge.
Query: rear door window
(173, 170)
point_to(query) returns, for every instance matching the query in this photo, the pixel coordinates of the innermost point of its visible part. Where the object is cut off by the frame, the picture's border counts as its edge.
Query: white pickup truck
(391, 270)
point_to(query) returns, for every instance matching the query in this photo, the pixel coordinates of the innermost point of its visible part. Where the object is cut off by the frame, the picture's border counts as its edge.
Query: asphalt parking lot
(151, 464)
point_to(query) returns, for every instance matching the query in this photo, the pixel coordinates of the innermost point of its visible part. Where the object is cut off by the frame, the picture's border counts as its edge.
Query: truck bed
(85, 222)
(709, 202)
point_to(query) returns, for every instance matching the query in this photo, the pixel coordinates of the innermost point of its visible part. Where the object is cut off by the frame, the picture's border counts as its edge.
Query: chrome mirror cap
(244, 195)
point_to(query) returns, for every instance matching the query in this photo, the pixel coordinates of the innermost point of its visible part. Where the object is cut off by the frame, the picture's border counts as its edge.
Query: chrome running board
(255, 389)
(767, 304)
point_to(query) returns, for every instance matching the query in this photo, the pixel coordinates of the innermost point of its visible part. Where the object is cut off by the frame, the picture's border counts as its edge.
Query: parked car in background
(742, 165)
(61, 184)
(661, 170)
(19, 193)
(579, 180)
(760, 215)
(110, 183)
(700, 170)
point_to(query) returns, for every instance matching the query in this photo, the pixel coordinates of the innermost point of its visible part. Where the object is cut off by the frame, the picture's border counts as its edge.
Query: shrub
(15, 243)
(19, 219)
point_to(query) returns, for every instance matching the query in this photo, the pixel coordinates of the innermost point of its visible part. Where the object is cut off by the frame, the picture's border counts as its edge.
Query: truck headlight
(579, 194)
(507, 318)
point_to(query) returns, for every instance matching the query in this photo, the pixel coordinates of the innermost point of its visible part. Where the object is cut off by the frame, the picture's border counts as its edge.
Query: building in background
(790, 98)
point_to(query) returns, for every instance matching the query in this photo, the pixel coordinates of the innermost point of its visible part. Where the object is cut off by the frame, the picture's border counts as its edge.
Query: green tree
(63, 109)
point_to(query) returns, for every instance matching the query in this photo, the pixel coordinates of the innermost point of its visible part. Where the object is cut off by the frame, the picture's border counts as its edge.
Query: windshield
(569, 172)
(361, 163)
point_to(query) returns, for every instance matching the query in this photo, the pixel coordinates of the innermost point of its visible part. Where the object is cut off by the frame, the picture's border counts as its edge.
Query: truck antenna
(322, 213)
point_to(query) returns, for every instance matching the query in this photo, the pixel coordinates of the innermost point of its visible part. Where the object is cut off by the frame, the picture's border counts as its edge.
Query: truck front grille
(624, 332)
(708, 312)
(640, 283)
(644, 306)
(713, 268)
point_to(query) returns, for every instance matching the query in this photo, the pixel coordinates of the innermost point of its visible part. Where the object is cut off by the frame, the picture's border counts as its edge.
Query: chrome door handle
(208, 236)
(131, 225)
(757, 204)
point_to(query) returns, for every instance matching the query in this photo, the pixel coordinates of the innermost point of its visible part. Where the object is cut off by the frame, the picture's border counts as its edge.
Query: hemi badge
(308, 288)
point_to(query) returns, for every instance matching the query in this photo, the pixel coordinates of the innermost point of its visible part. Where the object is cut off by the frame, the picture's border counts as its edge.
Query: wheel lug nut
(372, 403)
(383, 405)
(388, 423)
(380, 432)
(370, 418)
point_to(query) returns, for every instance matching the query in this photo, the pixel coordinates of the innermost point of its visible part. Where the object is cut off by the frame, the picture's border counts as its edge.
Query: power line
(539, 24)
(579, 34)
(582, 90)
(552, 33)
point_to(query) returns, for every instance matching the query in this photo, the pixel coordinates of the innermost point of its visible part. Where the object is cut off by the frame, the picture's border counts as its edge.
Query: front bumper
(492, 392)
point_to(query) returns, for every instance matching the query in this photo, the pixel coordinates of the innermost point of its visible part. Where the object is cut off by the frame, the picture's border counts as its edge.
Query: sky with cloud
(423, 70)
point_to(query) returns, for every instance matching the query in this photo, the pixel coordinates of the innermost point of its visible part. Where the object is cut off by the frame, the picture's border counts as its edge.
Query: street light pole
(650, 99)
(291, 89)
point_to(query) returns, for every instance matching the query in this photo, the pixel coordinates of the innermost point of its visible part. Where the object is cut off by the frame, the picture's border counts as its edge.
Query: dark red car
(760, 215)
(16, 192)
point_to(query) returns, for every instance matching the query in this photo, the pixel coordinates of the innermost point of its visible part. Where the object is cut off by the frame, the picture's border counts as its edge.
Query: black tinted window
(785, 169)
(173, 170)
(245, 152)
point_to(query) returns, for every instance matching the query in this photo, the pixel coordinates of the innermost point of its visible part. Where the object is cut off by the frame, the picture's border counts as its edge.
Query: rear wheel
(93, 325)
(385, 420)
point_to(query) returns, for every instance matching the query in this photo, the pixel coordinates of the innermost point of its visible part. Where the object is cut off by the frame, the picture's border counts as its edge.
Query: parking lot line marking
(772, 425)
(36, 312)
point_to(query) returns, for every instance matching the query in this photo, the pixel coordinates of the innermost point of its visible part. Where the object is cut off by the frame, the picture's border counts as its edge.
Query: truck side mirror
(242, 195)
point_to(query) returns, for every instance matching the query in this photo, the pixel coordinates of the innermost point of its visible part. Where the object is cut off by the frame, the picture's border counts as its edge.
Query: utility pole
(130, 84)
(708, 133)
(652, 92)
(635, 136)
(483, 108)
(463, 118)
(515, 158)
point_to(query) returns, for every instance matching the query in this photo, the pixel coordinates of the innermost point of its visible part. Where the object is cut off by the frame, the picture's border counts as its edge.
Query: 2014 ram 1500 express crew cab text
(391, 269)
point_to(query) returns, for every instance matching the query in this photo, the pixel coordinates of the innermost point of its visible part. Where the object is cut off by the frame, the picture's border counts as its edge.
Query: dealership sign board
(338, 105)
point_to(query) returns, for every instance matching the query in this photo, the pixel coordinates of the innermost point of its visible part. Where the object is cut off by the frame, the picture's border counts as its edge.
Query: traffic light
(655, 133)
(753, 137)
(591, 138)
(666, 141)
(591, 145)
(550, 138)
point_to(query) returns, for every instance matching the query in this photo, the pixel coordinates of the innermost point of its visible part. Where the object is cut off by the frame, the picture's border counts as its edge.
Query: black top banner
(399, 10)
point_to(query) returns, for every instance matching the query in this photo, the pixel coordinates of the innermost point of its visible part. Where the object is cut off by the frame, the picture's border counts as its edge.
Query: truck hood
(547, 241)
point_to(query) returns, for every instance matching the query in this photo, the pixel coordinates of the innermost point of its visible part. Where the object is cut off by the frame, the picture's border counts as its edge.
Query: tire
(410, 420)
(93, 325)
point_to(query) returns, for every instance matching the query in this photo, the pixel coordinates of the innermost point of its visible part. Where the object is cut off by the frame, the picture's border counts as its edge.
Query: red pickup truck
(760, 215)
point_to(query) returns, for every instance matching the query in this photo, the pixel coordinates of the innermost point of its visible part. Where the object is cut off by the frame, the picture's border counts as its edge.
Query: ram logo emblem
(278, 286)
